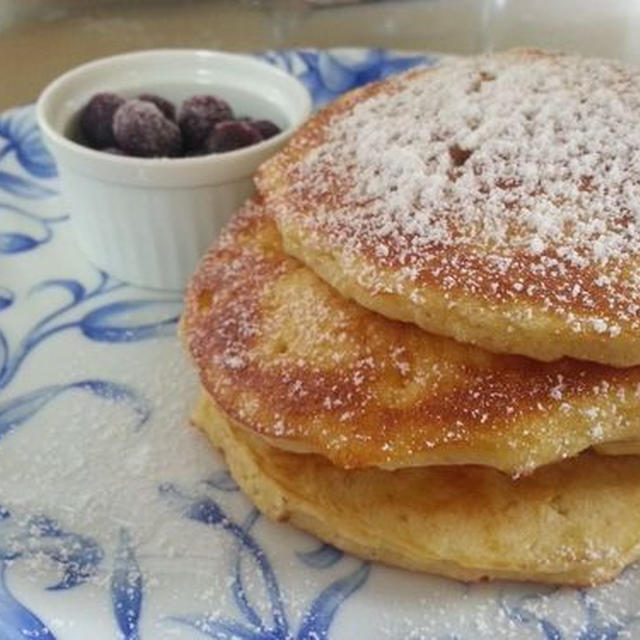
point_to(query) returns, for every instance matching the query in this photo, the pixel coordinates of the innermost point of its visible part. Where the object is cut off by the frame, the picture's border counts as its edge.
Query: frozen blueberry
(142, 130)
(167, 108)
(96, 119)
(197, 117)
(266, 128)
(231, 134)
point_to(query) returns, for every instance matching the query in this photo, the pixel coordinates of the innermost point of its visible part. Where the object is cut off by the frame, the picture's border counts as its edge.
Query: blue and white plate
(116, 518)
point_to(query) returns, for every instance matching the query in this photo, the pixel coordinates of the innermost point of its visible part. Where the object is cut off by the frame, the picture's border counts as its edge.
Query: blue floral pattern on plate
(151, 537)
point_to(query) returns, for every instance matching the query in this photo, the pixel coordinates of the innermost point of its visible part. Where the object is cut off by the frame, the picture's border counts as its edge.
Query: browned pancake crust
(507, 299)
(288, 358)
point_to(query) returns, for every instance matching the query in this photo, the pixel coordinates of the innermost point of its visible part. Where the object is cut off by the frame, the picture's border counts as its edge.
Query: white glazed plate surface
(116, 518)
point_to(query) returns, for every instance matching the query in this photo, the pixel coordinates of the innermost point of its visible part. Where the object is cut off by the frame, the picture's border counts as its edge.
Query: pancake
(576, 522)
(621, 448)
(289, 359)
(494, 200)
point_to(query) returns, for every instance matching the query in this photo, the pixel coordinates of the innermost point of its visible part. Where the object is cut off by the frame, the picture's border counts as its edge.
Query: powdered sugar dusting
(499, 167)
(283, 354)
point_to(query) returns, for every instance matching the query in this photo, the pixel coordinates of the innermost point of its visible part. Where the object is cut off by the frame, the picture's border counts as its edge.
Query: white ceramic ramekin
(147, 221)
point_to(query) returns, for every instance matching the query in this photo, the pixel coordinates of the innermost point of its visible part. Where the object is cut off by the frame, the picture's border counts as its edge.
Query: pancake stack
(421, 340)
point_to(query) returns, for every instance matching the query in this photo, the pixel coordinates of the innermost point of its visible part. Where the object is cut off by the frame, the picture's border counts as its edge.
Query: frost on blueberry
(96, 119)
(149, 127)
(168, 109)
(230, 135)
(141, 129)
(198, 116)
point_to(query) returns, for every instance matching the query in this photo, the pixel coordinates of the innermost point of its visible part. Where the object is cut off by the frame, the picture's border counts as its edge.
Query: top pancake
(495, 200)
(289, 359)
